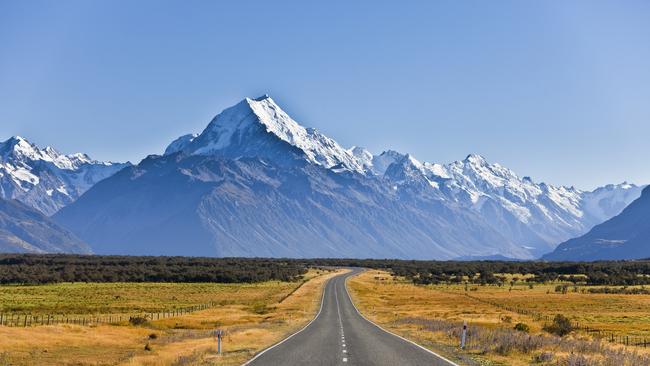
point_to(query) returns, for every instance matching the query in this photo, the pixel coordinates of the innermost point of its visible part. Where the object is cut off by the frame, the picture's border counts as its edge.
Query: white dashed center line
(338, 310)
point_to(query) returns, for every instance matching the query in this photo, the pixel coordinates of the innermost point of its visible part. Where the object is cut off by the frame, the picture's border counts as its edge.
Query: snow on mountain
(180, 143)
(375, 164)
(210, 205)
(45, 179)
(537, 215)
(255, 182)
(260, 128)
(625, 236)
(363, 156)
(606, 202)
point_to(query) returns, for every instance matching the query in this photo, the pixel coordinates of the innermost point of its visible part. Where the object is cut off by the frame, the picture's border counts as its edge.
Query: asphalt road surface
(339, 335)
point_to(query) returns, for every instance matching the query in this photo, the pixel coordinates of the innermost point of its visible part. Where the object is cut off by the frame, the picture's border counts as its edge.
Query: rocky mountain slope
(26, 230)
(257, 183)
(625, 236)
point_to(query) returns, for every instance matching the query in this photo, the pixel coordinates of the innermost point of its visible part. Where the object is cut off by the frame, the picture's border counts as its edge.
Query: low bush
(522, 327)
(570, 352)
(544, 357)
(138, 320)
(561, 326)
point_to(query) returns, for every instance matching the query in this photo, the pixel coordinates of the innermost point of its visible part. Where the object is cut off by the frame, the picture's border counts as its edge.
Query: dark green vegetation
(561, 326)
(51, 268)
(621, 273)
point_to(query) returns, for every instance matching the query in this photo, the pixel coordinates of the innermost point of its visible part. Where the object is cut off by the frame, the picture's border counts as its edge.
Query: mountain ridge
(469, 201)
(45, 179)
(25, 230)
(624, 236)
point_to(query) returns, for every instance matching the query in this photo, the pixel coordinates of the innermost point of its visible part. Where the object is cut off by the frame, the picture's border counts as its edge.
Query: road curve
(340, 335)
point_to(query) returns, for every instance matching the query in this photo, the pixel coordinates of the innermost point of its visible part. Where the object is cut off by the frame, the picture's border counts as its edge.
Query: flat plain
(433, 314)
(253, 316)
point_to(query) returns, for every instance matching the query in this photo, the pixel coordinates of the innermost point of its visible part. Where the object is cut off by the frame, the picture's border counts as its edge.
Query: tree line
(616, 273)
(53, 268)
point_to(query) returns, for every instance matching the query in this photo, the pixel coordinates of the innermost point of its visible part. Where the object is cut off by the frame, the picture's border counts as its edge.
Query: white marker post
(217, 334)
(464, 335)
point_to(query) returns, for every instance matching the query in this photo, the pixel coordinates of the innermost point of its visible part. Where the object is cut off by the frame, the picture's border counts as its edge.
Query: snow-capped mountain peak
(18, 147)
(537, 215)
(44, 178)
(548, 212)
(254, 127)
(475, 159)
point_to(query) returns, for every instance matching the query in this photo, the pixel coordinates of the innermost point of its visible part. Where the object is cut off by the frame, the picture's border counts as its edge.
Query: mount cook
(257, 183)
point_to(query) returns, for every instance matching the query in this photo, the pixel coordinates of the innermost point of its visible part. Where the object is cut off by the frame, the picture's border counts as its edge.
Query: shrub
(138, 320)
(544, 357)
(561, 326)
(522, 327)
(153, 336)
(260, 308)
(147, 347)
(507, 319)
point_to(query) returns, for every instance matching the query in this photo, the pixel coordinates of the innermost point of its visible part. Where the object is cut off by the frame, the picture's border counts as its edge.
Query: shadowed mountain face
(198, 205)
(626, 236)
(26, 230)
(257, 183)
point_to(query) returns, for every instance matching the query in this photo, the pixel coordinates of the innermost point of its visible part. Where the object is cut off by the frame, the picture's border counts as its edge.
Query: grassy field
(129, 298)
(432, 315)
(253, 316)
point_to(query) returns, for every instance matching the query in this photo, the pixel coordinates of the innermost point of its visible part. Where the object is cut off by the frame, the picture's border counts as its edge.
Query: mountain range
(625, 236)
(45, 179)
(257, 183)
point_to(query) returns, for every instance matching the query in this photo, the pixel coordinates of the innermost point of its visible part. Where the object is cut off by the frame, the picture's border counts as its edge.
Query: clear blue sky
(558, 90)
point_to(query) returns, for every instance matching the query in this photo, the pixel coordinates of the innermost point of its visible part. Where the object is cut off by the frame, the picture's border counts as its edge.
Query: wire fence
(611, 337)
(28, 320)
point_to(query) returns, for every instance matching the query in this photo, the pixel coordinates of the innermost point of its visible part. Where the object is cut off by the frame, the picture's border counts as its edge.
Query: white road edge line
(322, 300)
(389, 332)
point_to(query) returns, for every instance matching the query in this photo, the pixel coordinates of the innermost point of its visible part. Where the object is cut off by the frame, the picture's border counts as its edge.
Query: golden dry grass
(118, 298)
(251, 314)
(387, 300)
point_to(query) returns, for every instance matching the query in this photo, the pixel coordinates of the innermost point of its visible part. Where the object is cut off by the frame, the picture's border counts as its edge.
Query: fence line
(26, 320)
(537, 316)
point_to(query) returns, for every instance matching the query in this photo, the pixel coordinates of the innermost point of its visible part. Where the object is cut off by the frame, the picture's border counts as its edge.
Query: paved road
(339, 335)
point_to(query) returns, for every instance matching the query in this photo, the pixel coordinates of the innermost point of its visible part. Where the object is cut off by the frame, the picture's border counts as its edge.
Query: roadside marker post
(218, 334)
(463, 335)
